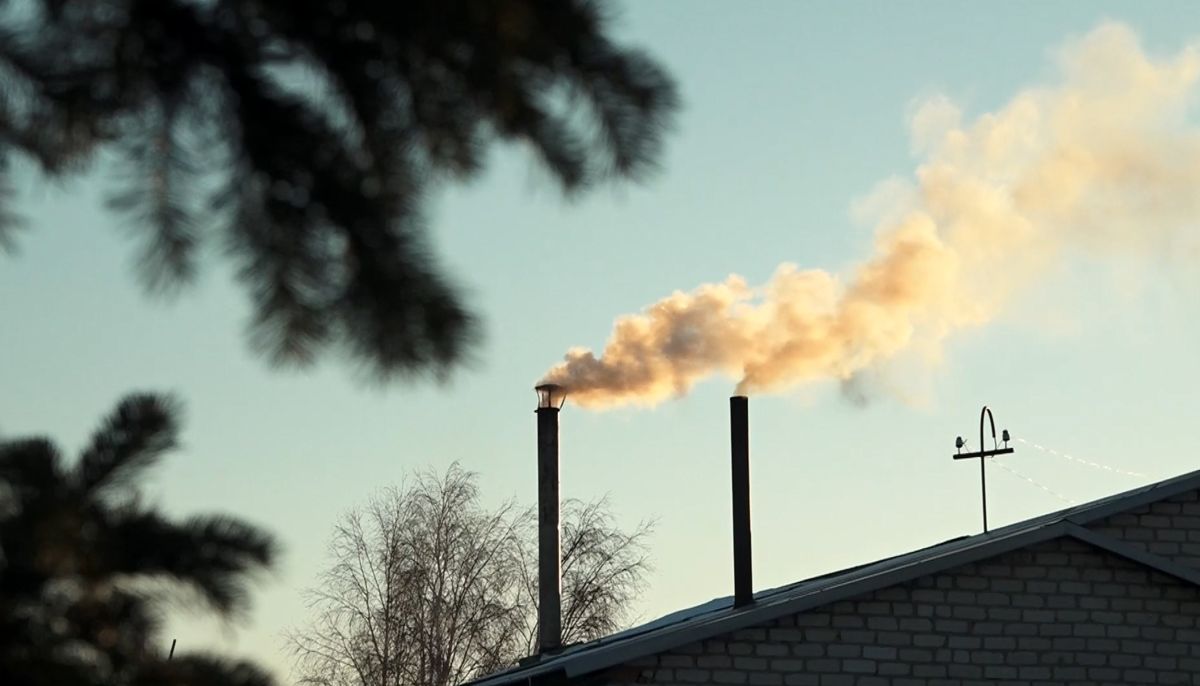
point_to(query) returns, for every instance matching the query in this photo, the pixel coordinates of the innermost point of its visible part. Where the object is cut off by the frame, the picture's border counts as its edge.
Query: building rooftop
(718, 616)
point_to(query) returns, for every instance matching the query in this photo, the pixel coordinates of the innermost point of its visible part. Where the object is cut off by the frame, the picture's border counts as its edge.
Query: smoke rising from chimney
(1104, 161)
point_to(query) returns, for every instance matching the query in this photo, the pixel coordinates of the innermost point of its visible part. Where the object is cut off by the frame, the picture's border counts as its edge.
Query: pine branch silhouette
(303, 136)
(86, 567)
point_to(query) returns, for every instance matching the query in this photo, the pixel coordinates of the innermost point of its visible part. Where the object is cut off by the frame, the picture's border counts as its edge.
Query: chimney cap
(550, 395)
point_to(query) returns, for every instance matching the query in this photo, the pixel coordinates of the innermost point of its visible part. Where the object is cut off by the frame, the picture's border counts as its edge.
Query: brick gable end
(1059, 612)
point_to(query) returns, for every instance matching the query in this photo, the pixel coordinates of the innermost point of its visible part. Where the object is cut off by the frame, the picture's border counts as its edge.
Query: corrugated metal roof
(718, 616)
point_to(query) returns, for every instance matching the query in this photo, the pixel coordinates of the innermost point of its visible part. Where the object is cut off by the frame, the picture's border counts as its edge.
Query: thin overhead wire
(1080, 460)
(1045, 488)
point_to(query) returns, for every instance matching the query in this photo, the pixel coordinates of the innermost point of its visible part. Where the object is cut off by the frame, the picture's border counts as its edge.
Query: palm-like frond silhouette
(83, 561)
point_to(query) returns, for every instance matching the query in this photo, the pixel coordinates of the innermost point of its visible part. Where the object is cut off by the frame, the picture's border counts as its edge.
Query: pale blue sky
(792, 111)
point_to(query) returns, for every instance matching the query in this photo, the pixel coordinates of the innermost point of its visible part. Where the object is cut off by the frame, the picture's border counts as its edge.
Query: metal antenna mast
(983, 455)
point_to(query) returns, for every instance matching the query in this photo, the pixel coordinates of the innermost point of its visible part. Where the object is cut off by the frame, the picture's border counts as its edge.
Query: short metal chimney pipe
(739, 433)
(550, 401)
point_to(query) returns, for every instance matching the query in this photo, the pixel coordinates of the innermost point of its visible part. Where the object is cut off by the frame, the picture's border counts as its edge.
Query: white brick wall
(1170, 528)
(1060, 612)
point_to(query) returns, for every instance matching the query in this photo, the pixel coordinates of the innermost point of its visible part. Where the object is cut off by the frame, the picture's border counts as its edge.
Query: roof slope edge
(717, 617)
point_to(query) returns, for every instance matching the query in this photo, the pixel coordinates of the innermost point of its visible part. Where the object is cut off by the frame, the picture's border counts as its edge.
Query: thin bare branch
(426, 587)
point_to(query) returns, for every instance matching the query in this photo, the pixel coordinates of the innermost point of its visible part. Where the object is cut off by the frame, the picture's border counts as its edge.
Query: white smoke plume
(1105, 161)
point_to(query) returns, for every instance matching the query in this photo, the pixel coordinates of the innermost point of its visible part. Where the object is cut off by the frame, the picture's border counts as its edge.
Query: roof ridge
(718, 616)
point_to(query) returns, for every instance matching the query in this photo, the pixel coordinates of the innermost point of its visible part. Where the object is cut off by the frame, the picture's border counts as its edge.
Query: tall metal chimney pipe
(739, 428)
(550, 399)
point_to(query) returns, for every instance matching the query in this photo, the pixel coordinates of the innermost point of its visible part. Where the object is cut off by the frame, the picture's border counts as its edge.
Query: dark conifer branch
(321, 125)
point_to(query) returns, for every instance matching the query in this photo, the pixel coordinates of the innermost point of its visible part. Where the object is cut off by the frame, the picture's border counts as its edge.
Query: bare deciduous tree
(427, 587)
(602, 572)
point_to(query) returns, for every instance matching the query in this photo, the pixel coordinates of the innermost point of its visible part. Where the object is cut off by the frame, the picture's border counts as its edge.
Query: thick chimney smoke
(1106, 162)
(550, 399)
(743, 562)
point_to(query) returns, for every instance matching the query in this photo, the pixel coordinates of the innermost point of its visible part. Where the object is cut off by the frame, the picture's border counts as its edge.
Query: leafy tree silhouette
(304, 135)
(86, 568)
